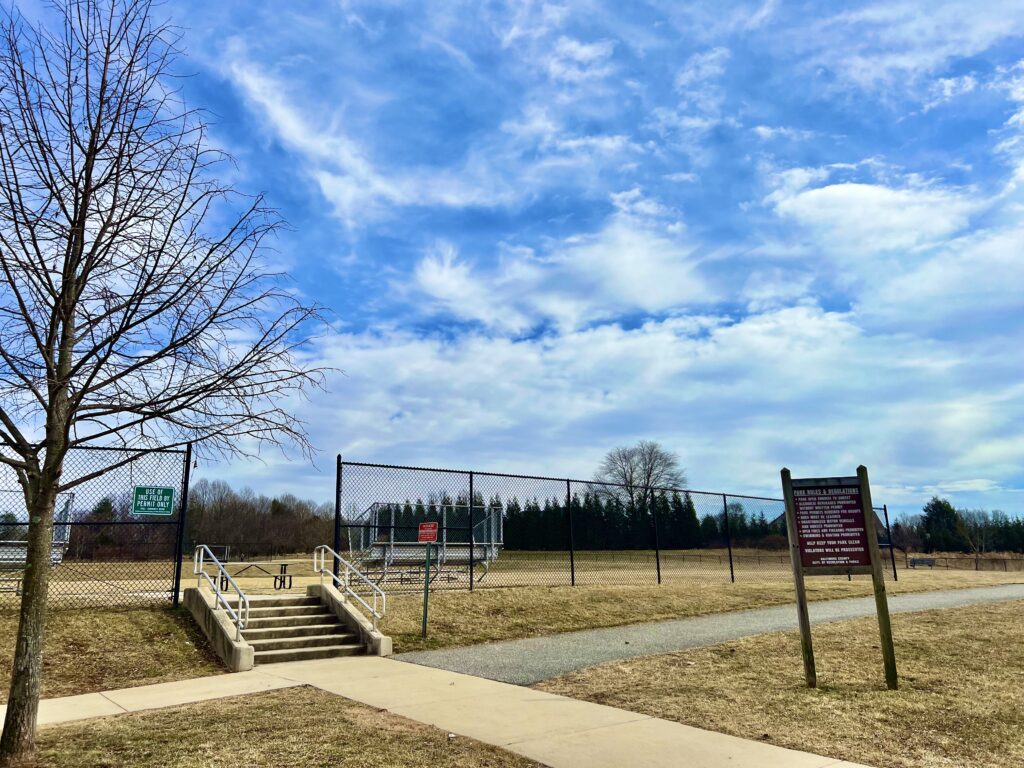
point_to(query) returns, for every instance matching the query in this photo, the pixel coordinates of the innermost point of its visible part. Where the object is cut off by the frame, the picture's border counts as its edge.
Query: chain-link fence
(117, 534)
(500, 530)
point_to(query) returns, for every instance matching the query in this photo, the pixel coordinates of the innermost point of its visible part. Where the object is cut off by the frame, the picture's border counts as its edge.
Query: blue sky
(776, 234)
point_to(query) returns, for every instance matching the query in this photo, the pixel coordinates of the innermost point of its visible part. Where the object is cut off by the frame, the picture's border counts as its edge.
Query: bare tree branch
(135, 304)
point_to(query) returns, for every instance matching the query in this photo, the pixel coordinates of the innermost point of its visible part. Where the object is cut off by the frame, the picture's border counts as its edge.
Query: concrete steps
(296, 629)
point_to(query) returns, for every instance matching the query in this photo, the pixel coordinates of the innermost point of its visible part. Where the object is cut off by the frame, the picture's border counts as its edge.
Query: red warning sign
(427, 533)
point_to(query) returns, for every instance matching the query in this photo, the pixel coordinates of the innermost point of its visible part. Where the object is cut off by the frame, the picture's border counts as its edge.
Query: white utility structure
(14, 551)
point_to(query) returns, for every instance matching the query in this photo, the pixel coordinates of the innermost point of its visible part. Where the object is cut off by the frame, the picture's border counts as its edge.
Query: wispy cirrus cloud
(639, 260)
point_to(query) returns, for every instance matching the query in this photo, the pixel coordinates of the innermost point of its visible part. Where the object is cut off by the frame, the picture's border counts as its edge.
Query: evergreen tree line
(941, 527)
(600, 521)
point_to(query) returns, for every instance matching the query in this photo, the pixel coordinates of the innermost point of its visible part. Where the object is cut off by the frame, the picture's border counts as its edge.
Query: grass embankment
(94, 650)
(298, 726)
(487, 615)
(960, 702)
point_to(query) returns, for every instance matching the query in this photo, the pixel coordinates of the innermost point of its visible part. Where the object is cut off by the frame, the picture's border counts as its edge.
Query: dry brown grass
(94, 650)
(961, 701)
(487, 615)
(298, 726)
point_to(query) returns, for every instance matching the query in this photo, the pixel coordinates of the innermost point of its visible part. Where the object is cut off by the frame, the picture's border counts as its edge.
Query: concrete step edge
(285, 610)
(298, 630)
(269, 602)
(297, 643)
(289, 621)
(298, 654)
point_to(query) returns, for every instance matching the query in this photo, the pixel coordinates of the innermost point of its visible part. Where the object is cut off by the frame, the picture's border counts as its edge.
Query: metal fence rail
(103, 554)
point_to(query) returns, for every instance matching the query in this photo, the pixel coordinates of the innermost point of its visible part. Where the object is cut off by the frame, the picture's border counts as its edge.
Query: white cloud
(639, 260)
(702, 67)
(971, 285)
(533, 21)
(773, 288)
(895, 44)
(686, 126)
(909, 257)
(573, 61)
(946, 89)
(767, 133)
(698, 82)
(1011, 145)
(855, 220)
(451, 282)
(493, 174)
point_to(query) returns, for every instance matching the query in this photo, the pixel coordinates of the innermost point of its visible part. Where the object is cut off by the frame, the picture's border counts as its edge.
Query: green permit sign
(153, 500)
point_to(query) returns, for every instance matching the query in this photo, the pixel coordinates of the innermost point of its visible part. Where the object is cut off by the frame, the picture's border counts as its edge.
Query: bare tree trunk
(17, 746)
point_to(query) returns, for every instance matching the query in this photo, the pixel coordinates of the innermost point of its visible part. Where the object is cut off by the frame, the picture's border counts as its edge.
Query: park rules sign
(831, 528)
(153, 500)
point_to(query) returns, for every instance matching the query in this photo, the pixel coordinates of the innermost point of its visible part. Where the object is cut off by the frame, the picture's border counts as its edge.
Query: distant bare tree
(905, 536)
(977, 527)
(636, 469)
(134, 305)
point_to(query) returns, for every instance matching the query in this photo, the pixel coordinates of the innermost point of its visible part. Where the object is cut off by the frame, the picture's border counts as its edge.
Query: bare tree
(976, 527)
(135, 308)
(637, 469)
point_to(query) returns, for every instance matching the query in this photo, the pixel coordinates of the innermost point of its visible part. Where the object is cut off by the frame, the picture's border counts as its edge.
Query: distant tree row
(600, 521)
(941, 527)
(255, 525)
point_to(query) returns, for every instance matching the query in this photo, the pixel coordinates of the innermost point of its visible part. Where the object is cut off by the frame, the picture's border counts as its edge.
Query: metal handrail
(320, 566)
(240, 618)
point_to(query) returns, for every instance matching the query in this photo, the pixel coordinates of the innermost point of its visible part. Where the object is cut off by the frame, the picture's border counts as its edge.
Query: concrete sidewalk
(555, 730)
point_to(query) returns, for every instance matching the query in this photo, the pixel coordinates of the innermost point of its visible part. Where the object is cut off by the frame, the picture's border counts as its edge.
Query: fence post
(472, 535)
(572, 540)
(179, 543)
(657, 546)
(728, 538)
(336, 566)
(892, 550)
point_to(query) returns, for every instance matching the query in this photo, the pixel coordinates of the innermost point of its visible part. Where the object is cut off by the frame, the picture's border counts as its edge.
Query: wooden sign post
(831, 527)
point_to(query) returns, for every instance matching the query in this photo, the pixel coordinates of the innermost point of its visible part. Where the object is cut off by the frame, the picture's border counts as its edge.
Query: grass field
(298, 726)
(99, 649)
(627, 567)
(464, 618)
(961, 702)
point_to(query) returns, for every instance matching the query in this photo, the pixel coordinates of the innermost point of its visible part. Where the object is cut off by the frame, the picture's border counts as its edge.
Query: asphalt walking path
(556, 731)
(524, 662)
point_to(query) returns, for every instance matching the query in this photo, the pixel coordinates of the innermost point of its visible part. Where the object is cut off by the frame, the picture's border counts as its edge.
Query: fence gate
(118, 535)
